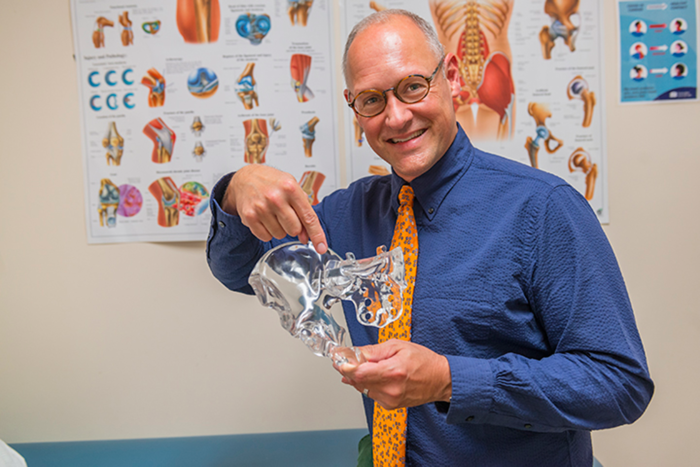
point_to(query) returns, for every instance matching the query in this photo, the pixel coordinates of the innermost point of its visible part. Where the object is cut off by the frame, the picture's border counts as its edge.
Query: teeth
(414, 135)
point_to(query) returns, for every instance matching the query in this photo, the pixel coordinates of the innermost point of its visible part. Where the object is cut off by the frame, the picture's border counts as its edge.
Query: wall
(139, 340)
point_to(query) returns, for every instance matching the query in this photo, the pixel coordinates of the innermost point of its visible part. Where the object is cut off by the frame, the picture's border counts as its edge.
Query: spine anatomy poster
(532, 80)
(173, 95)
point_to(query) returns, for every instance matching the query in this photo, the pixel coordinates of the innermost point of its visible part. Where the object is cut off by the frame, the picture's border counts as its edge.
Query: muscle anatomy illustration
(580, 161)
(578, 89)
(256, 140)
(167, 195)
(108, 203)
(308, 135)
(127, 32)
(155, 82)
(299, 11)
(300, 66)
(477, 33)
(98, 35)
(247, 87)
(561, 12)
(114, 144)
(310, 182)
(198, 20)
(540, 112)
(163, 140)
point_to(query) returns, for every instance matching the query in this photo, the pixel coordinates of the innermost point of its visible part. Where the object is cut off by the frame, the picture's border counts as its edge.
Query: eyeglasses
(410, 90)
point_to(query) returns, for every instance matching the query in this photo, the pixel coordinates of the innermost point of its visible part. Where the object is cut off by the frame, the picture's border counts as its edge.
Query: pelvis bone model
(561, 13)
(302, 286)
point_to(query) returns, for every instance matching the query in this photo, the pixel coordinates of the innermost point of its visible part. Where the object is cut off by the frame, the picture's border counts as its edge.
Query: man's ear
(346, 93)
(452, 74)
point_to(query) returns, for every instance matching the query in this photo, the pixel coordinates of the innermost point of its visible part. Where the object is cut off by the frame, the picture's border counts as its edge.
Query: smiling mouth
(410, 137)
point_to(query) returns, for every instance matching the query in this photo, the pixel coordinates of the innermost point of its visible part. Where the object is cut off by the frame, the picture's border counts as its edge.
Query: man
(522, 337)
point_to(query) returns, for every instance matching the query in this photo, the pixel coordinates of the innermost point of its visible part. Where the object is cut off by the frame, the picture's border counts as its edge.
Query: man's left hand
(400, 374)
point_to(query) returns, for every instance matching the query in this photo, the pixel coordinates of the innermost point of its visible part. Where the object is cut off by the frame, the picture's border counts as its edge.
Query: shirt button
(470, 418)
(221, 224)
(528, 426)
(431, 210)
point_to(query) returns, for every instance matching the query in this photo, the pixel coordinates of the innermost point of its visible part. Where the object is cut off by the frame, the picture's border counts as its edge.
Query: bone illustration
(302, 287)
(127, 32)
(98, 35)
(561, 13)
(155, 82)
(197, 126)
(256, 140)
(580, 161)
(308, 135)
(311, 182)
(198, 20)
(114, 144)
(253, 27)
(108, 203)
(578, 89)
(477, 33)
(376, 6)
(151, 27)
(359, 132)
(167, 195)
(202, 83)
(378, 170)
(163, 140)
(540, 112)
(300, 66)
(130, 200)
(199, 152)
(194, 199)
(247, 87)
(298, 11)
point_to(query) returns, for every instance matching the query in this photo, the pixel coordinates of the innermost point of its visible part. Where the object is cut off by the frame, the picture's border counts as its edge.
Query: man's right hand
(272, 204)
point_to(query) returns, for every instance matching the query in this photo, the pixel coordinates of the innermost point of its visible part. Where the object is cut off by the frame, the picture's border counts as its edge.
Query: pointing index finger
(312, 229)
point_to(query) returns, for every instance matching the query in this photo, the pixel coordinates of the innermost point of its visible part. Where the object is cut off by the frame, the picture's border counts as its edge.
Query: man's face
(410, 137)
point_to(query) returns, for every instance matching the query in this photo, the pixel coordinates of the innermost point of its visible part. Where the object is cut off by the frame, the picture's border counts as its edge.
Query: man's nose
(396, 113)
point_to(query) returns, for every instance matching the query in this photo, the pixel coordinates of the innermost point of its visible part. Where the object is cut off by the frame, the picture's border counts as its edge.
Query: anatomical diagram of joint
(167, 195)
(257, 139)
(198, 20)
(163, 140)
(308, 135)
(202, 83)
(98, 35)
(477, 33)
(247, 88)
(540, 112)
(578, 89)
(109, 203)
(561, 12)
(199, 152)
(155, 82)
(114, 144)
(580, 161)
(194, 199)
(359, 132)
(300, 66)
(311, 182)
(302, 286)
(253, 27)
(197, 126)
(127, 32)
(299, 11)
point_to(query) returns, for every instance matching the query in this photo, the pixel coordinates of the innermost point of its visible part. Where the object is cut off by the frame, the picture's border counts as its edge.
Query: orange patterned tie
(389, 426)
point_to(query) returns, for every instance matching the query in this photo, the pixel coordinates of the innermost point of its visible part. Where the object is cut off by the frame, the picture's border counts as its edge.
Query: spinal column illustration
(300, 66)
(109, 203)
(163, 140)
(155, 82)
(114, 144)
(311, 182)
(98, 35)
(308, 135)
(299, 11)
(578, 89)
(540, 112)
(246, 89)
(580, 161)
(127, 32)
(477, 33)
(198, 20)
(256, 140)
(560, 11)
(167, 195)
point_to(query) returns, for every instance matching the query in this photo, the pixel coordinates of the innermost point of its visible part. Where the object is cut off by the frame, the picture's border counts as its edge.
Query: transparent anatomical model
(302, 286)
(540, 112)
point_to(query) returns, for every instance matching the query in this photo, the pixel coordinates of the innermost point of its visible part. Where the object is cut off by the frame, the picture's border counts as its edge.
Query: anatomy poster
(532, 84)
(175, 94)
(658, 51)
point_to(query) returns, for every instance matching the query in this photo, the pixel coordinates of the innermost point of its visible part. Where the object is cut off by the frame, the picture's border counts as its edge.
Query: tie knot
(406, 196)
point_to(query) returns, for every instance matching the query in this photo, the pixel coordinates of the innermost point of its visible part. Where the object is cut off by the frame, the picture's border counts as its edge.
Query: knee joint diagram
(114, 143)
(127, 32)
(298, 11)
(300, 66)
(247, 87)
(257, 139)
(163, 140)
(155, 82)
(308, 135)
(562, 14)
(540, 113)
(311, 182)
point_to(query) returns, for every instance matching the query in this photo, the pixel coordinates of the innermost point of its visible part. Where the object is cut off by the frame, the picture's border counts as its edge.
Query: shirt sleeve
(596, 375)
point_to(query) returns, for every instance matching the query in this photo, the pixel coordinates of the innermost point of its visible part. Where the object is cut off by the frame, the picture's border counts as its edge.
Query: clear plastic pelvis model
(302, 286)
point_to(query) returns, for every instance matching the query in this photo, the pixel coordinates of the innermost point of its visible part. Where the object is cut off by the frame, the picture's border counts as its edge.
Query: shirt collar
(432, 187)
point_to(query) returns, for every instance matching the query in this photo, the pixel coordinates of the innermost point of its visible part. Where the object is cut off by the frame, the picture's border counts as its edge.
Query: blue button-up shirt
(516, 285)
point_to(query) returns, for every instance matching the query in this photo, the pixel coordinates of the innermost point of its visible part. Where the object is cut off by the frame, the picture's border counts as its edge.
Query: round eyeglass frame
(383, 93)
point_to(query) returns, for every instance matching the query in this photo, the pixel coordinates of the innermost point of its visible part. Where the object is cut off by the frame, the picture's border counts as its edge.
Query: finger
(289, 221)
(310, 222)
(259, 230)
(383, 351)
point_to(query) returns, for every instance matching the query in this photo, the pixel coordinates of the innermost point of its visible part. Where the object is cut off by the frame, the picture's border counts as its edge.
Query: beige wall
(139, 340)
